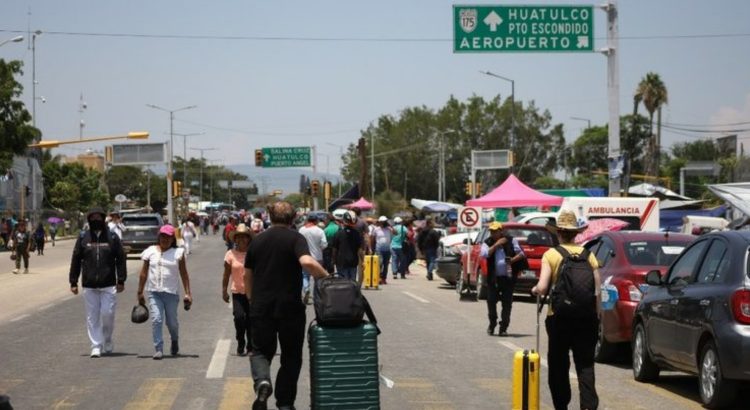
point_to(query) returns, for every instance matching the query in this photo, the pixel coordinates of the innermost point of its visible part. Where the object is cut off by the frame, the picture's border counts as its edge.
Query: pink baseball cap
(166, 230)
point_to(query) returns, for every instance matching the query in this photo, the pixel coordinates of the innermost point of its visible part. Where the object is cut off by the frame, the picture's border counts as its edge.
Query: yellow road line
(423, 394)
(72, 398)
(7, 384)
(155, 394)
(238, 393)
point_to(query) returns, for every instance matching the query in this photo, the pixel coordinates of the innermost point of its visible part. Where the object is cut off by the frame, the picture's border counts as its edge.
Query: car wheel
(604, 351)
(644, 369)
(715, 391)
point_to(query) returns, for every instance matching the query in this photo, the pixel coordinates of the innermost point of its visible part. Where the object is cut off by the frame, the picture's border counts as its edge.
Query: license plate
(528, 273)
(139, 233)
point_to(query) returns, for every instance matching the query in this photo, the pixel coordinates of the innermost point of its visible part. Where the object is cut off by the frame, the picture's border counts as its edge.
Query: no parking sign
(470, 217)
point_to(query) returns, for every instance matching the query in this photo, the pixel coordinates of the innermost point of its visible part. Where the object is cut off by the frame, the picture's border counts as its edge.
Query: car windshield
(140, 221)
(539, 237)
(653, 253)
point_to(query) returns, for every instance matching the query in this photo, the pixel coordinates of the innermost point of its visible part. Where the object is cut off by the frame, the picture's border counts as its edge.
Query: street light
(341, 158)
(184, 152)
(33, 76)
(441, 163)
(512, 104)
(170, 210)
(588, 121)
(201, 150)
(135, 135)
(16, 39)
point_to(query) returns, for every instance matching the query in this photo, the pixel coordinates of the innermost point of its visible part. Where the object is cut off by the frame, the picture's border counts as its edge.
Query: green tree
(590, 151)
(652, 92)
(15, 131)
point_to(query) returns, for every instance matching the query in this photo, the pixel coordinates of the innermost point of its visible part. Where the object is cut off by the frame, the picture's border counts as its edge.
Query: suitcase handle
(538, 313)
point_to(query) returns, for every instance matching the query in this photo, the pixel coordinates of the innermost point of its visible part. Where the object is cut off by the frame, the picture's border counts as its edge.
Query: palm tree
(652, 92)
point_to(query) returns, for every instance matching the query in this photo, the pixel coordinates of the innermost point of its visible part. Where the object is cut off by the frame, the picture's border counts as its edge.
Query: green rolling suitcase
(344, 367)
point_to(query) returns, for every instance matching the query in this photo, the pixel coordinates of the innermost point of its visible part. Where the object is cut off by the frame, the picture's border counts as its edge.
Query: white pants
(100, 314)
(188, 242)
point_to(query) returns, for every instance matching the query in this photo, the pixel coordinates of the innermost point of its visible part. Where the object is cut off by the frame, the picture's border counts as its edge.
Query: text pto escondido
(535, 29)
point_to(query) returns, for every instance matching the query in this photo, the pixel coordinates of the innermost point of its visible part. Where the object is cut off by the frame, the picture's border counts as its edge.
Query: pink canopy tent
(361, 203)
(512, 193)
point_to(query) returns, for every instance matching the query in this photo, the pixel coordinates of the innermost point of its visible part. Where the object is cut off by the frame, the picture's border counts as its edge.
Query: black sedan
(696, 318)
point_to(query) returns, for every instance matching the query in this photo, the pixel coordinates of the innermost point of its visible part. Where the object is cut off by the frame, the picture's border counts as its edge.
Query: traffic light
(315, 185)
(258, 157)
(478, 188)
(176, 188)
(468, 189)
(27, 190)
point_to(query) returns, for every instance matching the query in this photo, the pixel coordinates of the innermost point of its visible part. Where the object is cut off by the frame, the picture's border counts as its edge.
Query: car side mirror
(653, 278)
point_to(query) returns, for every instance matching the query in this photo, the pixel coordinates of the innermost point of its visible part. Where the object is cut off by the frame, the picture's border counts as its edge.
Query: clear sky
(290, 73)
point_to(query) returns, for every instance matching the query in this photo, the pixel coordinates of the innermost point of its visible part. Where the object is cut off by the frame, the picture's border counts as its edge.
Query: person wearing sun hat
(381, 244)
(163, 269)
(503, 254)
(565, 335)
(234, 268)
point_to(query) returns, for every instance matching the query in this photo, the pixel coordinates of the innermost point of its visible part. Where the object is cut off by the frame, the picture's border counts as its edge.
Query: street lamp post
(33, 75)
(184, 152)
(441, 163)
(512, 105)
(202, 150)
(170, 205)
(16, 39)
(341, 158)
(588, 121)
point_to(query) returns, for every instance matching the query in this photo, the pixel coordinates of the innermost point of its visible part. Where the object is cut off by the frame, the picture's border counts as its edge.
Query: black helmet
(139, 314)
(350, 218)
(96, 210)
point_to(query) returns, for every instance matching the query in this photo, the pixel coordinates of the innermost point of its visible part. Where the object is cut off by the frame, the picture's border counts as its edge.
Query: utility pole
(201, 180)
(361, 150)
(613, 91)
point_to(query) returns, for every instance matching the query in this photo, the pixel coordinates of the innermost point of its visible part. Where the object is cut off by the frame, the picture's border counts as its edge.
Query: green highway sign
(286, 157)
(504, 28)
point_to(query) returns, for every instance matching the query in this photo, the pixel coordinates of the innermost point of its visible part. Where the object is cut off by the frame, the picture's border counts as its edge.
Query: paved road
(433, 348)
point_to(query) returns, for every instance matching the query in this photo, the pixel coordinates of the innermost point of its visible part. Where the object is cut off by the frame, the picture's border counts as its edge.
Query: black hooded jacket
(100, 259)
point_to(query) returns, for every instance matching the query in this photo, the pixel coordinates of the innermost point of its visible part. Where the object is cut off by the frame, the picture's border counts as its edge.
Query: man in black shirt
(273, 284)
(347, 248)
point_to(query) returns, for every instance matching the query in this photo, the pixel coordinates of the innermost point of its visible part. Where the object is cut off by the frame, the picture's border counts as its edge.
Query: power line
(350, 39)
(729, 124)
(704, 131)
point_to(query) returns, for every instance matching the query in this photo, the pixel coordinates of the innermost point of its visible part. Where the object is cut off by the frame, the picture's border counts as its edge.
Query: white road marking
(542, 361)
(415, 297)
(388, 382)
(218, 360)
(47, 306)
(17, 318)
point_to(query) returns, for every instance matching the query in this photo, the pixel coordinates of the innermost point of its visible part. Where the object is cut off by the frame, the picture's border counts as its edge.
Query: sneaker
(429, 276)
(395, 276)
(175, 348)
(96, 352)
(15, 271)
(490, 330)
(26, 270)
(263, 392)
(502, 333)
(158, 355)
(108, 347)
(241, 348)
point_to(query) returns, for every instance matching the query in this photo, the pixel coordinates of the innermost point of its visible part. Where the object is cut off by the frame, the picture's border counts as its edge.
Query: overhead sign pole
(613, 96)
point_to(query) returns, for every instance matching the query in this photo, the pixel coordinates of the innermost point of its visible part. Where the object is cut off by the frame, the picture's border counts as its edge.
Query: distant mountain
(285, 179)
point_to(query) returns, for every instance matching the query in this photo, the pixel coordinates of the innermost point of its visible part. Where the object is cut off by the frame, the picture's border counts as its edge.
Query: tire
(715, 390)
(604, 351)
(644, 369)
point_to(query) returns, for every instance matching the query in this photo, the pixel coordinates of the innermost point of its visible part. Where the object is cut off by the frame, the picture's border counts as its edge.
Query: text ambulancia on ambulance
(642, 214)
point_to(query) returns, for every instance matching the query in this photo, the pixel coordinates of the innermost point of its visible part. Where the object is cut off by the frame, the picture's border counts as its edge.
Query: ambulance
(641, 213)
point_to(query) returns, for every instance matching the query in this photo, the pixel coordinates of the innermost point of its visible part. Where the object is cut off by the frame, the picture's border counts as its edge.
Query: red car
(625, 258)
(533, 239)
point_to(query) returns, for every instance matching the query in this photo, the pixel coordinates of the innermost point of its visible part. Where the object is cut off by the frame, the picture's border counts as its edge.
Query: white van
(704, 223)
(641, 213)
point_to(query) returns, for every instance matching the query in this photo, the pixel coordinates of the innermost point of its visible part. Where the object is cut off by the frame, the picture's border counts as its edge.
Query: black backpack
(340, 303)
(573, 295)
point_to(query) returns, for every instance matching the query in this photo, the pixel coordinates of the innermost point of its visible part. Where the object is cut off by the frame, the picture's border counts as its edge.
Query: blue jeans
(431, 256)
(163, 306)
(385, 257)
(349, 273)
(398, 264)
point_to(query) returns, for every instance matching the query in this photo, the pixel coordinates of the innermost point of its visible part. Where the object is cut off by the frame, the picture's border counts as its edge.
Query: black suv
(141, 231)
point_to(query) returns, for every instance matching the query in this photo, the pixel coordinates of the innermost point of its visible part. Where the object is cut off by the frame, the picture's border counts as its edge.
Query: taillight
(741, 306)
(629, 292)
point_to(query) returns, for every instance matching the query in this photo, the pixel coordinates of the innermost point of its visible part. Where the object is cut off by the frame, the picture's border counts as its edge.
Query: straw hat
(242, 229)
(567, 221)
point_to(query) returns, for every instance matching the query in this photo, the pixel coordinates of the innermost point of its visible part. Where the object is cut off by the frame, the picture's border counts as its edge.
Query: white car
(536, 218)
(448, 263)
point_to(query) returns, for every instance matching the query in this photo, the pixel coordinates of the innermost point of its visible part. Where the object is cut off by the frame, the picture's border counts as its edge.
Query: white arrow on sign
(493, 20)
(583, 42)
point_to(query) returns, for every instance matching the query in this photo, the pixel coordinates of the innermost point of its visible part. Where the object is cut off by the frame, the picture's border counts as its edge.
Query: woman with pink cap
(163, 268)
